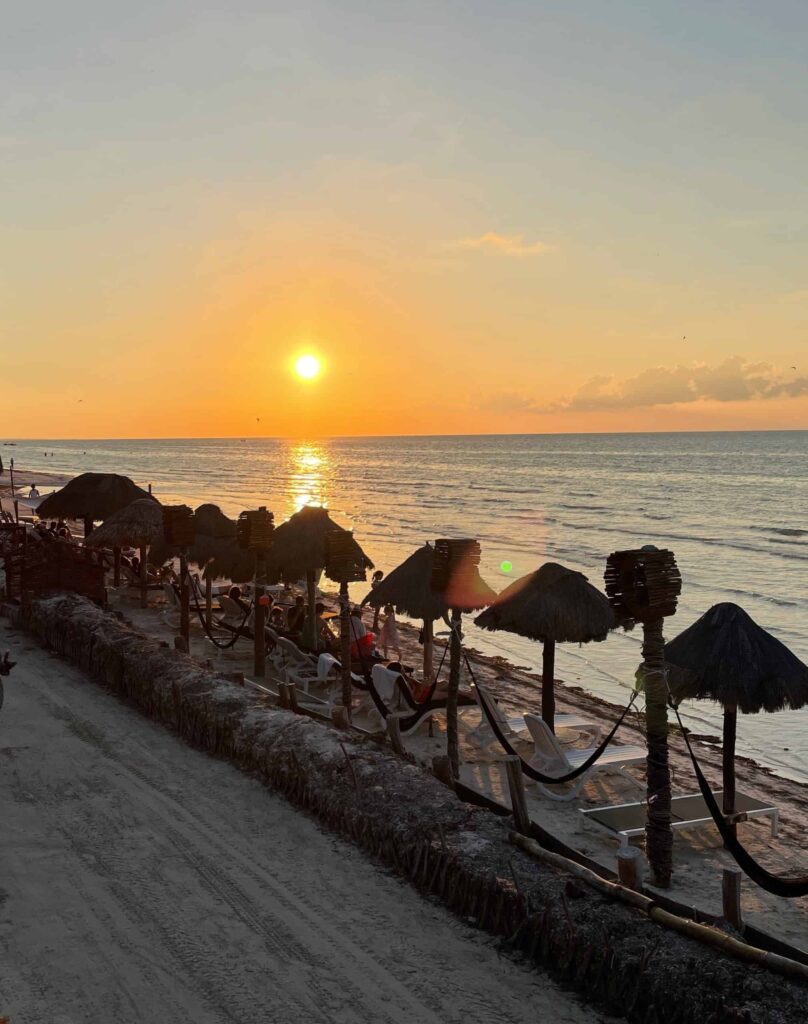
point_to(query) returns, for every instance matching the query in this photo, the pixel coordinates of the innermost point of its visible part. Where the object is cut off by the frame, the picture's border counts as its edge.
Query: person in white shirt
(33, 493)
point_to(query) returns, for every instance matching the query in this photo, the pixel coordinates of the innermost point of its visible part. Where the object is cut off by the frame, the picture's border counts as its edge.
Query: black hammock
(790, 888)
(534, 773)
(239, 630)
(426, 706)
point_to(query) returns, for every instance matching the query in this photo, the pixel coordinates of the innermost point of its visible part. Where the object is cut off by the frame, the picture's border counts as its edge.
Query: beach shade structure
(136, 525)
(643, 585)
(345, 563)
(408, 589)
(254, 533)
(456, 579)
(91, 497)
(553, 605)
(299, 552)
(727, 657)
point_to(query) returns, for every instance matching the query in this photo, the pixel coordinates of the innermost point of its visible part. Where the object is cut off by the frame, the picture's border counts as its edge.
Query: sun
(307, 367)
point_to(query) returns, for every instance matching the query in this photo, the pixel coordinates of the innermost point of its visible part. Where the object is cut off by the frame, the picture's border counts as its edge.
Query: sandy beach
(144, 881)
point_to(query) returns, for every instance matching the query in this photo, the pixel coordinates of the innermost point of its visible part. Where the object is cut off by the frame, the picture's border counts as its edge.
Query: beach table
(624, 821)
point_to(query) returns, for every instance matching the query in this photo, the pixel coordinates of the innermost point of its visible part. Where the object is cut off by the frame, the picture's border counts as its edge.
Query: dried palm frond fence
(35, 570)
(613, 951)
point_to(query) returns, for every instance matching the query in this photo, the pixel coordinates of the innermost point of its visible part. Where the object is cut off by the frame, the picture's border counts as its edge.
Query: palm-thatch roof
(299, 545)
(137, 525)
(553, 603)
(92, 496)
(727, 657)
(407, 587)
(213, 531)
(229, 562)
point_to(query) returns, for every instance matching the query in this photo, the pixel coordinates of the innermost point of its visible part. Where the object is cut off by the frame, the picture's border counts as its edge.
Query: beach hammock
(790, 888)
(528, 769)
(240, 632)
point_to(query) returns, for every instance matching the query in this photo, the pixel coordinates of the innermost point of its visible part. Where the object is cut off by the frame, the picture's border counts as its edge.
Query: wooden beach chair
(551, 758)
(624, 821)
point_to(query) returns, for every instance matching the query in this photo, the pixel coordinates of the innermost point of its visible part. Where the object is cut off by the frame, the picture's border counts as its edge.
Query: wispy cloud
(509, 245)
(734, 380)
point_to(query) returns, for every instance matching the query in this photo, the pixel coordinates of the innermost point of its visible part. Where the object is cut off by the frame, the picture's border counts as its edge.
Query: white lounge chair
(294, 665)
(513, 727)
(551, 758)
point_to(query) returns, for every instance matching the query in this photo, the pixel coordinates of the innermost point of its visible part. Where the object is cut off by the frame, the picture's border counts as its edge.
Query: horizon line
(371, 437)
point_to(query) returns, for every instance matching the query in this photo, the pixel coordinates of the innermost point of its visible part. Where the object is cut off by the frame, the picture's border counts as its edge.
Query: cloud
(509, 245)
(734, 380)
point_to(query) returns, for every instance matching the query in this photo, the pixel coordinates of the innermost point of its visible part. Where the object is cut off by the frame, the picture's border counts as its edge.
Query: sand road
(143, 881)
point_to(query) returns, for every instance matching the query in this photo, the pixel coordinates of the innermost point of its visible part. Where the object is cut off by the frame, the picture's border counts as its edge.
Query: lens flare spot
(506, 566)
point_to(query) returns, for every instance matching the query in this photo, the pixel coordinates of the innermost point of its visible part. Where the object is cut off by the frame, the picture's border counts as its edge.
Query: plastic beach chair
(551, 758)
(513, 726)
(295, 666)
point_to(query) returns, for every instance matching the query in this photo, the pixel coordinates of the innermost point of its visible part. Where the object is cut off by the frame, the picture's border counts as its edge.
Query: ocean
(731, 506)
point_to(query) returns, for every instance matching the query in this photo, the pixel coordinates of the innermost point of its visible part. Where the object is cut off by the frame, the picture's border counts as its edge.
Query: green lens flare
(506, 566)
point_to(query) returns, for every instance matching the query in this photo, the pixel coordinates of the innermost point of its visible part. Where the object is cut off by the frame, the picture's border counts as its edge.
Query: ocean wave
(783, 531)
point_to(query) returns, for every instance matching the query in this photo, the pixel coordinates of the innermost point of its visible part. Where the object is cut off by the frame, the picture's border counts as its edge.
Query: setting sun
(307, 367)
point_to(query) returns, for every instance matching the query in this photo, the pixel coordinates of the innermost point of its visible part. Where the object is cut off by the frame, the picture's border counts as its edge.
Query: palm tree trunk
(345, 647)
(259, 617)
(185, 598)
(548, 684)
(728, 759)
(208, 604)
(428, 648)
(144, 575)
(309, 632)
(455, 651)
(659, 837)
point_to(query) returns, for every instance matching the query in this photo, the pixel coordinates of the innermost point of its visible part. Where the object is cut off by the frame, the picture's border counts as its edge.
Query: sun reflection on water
(309, 471)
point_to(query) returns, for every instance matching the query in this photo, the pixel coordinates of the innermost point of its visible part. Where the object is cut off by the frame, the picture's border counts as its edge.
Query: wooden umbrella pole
(116, 566)
(428, 649)
(208, 603)
(345, 646)
(89, 522)
(185, 599)
(728, 757)
(144, 576)
(260, 644)
(659, 837)
(548, 684)
(455, 653)
(308, 634)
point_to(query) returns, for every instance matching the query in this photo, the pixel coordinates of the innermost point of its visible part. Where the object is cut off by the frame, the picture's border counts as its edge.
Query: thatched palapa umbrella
(136, 525)
(408, 589)
(90, 497)
(553, 605)
(300, 549)
(456, 578)
(727, 657)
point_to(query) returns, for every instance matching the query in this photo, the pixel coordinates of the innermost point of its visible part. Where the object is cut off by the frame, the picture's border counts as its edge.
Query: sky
(508, 217)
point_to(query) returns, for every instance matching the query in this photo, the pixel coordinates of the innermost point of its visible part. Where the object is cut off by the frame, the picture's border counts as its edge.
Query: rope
(528, 769)
(790, 888)
(238, 634)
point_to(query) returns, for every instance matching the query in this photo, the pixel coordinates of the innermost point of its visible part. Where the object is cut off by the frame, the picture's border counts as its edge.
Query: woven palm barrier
(616, 955)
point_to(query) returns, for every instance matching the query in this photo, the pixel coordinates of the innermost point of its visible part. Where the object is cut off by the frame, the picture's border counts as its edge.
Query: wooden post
(339, 717)
(144, 575)
(394, 732)
(428, 649)
(185, 597)
(516, 788)
(309, 639)
(628, 867)
(260, 638)
(455, 652)
(89, 523)
(442, 769)
(283, 695)
(345, 647)
(548, 684)
(291, 690)
(116, 566)
(208, 604)
(728, 759)
(659, 837)
(731, 897)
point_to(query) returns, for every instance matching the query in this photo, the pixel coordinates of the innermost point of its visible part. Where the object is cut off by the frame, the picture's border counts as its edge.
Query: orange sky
(469, 249)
